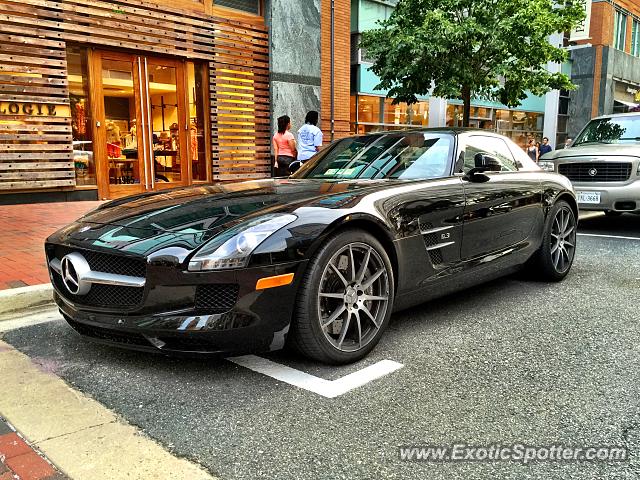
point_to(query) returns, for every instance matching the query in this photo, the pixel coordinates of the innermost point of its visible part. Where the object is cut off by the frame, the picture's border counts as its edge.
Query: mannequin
(113, 140)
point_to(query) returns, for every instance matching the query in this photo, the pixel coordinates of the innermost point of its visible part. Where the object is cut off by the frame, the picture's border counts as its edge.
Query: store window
(83, 158)
(397, 114)
(120, 121)
(635, 38)
(420, 114)
(376, 114)
(368, 109)
(620, 30)
(520, 126)
(249, 6)
(479, 117)
(197, 127)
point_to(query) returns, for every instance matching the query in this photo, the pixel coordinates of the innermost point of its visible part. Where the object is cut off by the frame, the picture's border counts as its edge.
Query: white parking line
(608, 236)
(326, 388)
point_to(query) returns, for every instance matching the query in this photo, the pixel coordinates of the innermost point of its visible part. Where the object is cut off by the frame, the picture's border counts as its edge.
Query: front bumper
(168, 321)
(618, 197)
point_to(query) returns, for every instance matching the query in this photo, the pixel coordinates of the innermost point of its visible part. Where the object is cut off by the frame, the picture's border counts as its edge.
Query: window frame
(620, 19)
(635, 37)
(464, 144)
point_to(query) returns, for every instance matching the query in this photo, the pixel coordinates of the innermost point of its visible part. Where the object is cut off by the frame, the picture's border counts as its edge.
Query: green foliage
(493, 49)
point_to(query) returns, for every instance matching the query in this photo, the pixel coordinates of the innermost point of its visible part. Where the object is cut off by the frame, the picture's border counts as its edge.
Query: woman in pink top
(284, 147)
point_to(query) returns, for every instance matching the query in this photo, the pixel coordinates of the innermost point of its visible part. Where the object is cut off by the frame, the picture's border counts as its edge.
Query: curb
(24, 298)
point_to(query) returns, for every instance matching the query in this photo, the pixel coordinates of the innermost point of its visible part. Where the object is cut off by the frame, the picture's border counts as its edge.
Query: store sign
(581, 31)
(38, 109)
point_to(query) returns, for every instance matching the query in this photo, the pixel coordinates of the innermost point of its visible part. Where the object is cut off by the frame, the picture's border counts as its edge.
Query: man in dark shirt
(545, 147)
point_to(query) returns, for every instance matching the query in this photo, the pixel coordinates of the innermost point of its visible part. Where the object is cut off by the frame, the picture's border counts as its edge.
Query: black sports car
(371, 225)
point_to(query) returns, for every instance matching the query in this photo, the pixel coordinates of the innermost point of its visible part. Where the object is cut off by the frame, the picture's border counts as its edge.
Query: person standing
(567, 143)
(545, 147)
(284, 147)
(309, 137)
(532, 150)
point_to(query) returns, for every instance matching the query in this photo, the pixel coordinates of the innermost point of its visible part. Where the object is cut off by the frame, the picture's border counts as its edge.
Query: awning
(628, 104)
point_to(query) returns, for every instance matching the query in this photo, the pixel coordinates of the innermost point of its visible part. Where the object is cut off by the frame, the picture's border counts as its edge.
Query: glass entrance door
(141, 140)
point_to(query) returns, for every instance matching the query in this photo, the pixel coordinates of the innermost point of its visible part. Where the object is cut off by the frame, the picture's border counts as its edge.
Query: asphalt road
(514, 361)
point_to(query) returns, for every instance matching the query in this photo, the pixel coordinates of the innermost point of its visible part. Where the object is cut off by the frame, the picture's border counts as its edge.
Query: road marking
(326, 388)
(608, 236)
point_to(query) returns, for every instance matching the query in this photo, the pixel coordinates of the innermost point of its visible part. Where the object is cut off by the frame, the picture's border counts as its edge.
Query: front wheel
(553, 260)
(345, 299)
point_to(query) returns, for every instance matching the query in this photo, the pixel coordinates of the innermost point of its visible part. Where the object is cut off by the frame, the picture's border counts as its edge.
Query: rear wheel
(553, 260)
(345, 299)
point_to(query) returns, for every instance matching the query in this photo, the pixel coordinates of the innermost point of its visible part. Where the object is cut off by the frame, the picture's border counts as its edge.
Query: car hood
(595, 150)
(175, 222)
(205, 208)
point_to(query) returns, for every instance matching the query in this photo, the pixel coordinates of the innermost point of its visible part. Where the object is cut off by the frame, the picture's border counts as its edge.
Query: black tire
(612, 213)
(543, 264)
(325, 343)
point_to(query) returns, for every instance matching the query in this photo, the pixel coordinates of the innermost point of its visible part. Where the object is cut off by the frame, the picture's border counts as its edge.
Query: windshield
(413, 155)
(611, 130)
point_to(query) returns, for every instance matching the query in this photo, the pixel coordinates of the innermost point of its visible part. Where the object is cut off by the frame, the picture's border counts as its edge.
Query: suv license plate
(588, 197)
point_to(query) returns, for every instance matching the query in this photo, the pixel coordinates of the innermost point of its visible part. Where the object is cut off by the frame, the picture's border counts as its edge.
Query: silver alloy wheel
(353, 297)
(563, 239)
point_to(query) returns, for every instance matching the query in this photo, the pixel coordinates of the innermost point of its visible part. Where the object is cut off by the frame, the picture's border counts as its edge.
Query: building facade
(606, 62)
(104, 99)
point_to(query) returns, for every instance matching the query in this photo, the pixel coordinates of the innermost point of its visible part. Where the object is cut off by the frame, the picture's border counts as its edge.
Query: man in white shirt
(309, 137)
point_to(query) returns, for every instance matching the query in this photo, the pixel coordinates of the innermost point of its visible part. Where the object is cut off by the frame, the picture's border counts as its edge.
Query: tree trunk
(466, 112)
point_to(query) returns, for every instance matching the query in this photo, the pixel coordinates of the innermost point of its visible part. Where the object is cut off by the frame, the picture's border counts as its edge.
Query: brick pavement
(23, 229)
(19, 461)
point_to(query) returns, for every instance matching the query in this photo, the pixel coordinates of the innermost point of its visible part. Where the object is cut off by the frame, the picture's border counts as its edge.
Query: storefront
(150, 117)
(109, 99)
(371, 113)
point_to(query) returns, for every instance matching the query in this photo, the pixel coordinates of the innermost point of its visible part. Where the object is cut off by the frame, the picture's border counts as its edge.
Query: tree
(492, 49)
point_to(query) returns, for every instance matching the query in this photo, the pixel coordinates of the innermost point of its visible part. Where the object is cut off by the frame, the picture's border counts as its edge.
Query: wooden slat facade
(35, 123)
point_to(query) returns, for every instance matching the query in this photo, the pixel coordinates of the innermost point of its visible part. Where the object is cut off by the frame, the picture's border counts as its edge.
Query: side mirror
(487, 163)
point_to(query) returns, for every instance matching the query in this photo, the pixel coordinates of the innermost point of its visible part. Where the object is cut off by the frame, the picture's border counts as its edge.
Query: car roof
(617, 115)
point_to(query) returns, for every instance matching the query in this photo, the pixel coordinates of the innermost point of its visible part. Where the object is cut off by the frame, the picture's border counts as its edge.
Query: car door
(426, 205)
(503, 210)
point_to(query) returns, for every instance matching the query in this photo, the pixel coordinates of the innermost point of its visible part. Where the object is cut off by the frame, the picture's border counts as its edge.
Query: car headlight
(233, 248)
(546, 165)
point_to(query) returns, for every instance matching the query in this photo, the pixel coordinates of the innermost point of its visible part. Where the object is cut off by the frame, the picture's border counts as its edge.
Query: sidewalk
(19, 460)
(82, 438)
(23, 229)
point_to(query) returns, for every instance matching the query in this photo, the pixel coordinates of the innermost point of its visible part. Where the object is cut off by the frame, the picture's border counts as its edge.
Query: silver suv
(603, 163)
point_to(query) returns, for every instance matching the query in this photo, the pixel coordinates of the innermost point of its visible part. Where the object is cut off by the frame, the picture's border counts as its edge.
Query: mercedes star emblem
(74, 269)
(593, 172)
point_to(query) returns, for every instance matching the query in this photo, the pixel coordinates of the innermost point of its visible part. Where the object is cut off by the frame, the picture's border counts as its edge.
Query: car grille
(108, 263)
(103, 296)
(100, 295)
(596, 172)
(216, 298)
